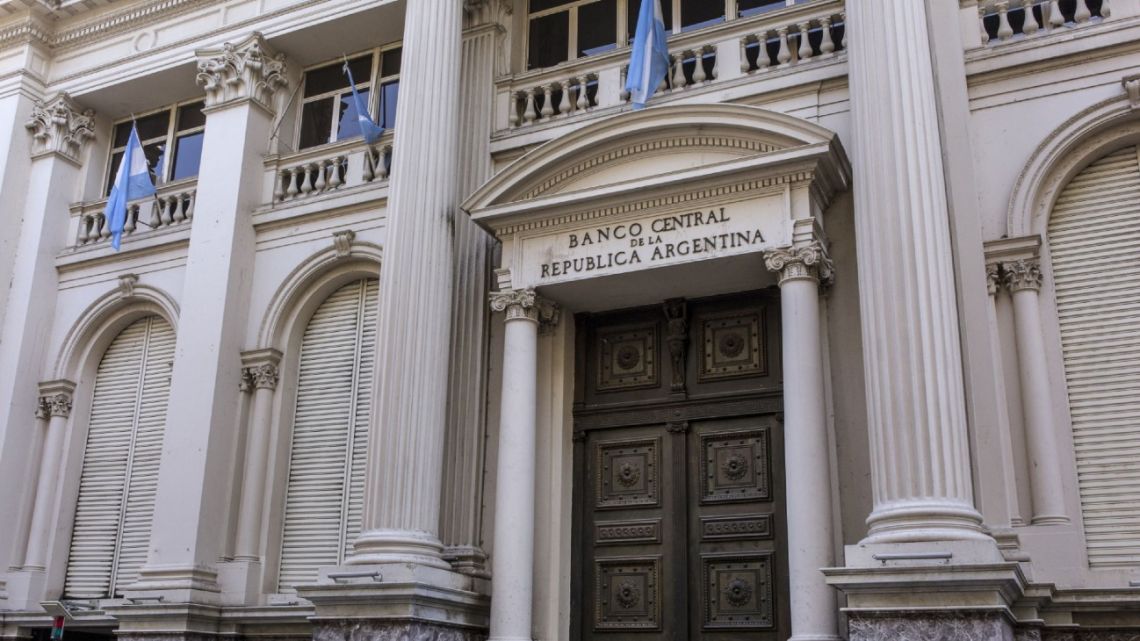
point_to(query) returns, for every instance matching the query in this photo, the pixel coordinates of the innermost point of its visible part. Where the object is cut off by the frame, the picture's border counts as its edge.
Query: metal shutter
(1094, 238)
(111, 532)
(323, 498)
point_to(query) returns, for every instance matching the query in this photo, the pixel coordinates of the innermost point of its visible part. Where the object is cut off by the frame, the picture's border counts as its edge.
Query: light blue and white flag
(649, 59)
(371, 130)
(132, 181)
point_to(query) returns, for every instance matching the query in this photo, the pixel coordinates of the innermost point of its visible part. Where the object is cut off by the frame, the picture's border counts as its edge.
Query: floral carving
(59, 126)
(735, 467)
(806, 262)
(59, 405)
(628, 357)
(731, 344)
(525, 304)
(246, 70)
(263, 376)
(993, 278)
(1022, 274)
(628, 474)
(738, 592)
(627, 594)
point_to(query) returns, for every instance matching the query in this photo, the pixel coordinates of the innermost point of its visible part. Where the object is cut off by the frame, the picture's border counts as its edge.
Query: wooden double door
(678, 502)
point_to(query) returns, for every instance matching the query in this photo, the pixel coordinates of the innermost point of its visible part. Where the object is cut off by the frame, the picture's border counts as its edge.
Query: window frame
(375, 80)
(171, 138)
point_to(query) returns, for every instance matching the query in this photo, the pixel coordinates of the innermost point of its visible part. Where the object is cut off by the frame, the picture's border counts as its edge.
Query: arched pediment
(654, 142)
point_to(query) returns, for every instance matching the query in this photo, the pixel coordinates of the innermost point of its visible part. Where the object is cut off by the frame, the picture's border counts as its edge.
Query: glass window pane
(349, 124)
(122, 134)
(390, 62)
(187, 156)
(597, 27)
(155, 159)
(316, 123)
(633, 8)
(153, 126)
(700, 13)
(113, 172)
(549, 40)
(191, 116)
(753, 7)
(332, 77)
(541, 5)
(389, 96)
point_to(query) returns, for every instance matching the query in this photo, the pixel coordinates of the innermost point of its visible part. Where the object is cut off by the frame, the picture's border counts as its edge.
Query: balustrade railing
(328, 169)
(1005, 20)
(172, 206)
(788, 45)
(564, 97)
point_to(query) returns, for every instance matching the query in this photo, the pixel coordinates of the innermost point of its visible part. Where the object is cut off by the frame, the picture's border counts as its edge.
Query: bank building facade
(836, 339)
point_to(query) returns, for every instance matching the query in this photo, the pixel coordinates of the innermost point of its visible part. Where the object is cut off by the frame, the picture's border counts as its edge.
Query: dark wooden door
(678, 511)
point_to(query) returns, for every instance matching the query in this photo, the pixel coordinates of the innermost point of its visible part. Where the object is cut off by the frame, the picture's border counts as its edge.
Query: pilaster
(241, 81)
(57, 132)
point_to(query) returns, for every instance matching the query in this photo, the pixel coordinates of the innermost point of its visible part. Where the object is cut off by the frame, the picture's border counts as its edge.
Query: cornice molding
(60, 126)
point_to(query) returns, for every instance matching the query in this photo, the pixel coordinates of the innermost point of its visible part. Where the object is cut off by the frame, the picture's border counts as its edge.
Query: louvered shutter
(323, 495)
(120, 461)
(1094, 238)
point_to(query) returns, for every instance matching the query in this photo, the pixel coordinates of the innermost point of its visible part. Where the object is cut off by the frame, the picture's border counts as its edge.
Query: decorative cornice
(808, 262)
(60, 126)
(1022, 274)
(29, 31)
(247, 70)
(263, 376)
(525, 304)
(126, 20)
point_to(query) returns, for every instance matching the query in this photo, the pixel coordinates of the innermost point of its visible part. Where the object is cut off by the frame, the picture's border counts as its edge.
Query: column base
(175, 584)
(919, 521)
(378, 547)
(25, 589)
(1050, 519)
(240, 582)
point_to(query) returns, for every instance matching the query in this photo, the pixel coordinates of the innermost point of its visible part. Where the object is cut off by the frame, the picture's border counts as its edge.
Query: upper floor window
(561, 30)
(181, 128)
(328, 113)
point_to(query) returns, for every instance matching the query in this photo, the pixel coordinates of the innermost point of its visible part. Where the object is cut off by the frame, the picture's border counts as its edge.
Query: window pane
(633, 8)
(753, 7)
(187, 156)
(349, 123)
(540, 5)
(316, 123)
(155, 159)
(549, 40)
(153, 126)
(388, 98)
(597, 27)
(700, 13)
(332, 77)
(390, 62)
(191, 116)
(113, 172)
(122, 134)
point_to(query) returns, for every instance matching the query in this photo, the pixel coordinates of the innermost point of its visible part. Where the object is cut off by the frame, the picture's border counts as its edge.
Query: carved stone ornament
(525, 304)
(43, 408)
(264, 376)
(245, 383)
(807, 262)
(247, 70)
(1132, 88)
(677, 338)
(481, 12)
(993, 278)
(1022, 274)
(342, 241)
(59, 404)
(127, 285)
(60, 126)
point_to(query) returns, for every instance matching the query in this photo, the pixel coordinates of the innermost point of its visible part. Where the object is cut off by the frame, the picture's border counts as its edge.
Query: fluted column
(262, 372)
(47, 485)
(513, 561)
(913, 363)
(812, 601)
(405, 455)
(1023, 279)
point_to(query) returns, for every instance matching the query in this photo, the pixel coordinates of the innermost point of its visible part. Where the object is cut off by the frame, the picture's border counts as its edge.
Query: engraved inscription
(737, 592)
(627, 473)
(735, 466)
(733, 346)
(628, 594)
(623, 532)
(627, 358)
(752, 526)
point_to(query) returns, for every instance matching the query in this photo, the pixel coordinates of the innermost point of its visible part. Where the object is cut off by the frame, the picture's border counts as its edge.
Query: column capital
(806, 262)
(525, 304)
(1022, 274)
(58, 404)
(43, 408)
(993, 278)
(264, 376)
(246, 70)
(60, 126)
(477, 13)
(260, 369)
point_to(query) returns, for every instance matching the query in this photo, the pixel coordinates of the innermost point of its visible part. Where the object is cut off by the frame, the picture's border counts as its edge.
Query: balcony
(1003, 21)
(170, 210)
(767, 44)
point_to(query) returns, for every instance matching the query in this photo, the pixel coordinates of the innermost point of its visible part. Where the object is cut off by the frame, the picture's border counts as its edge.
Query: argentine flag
(131, 182)
(649, 60)
(371, 130)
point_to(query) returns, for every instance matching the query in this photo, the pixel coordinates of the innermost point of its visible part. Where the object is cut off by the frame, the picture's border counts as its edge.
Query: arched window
(111, 534)
(324, 496)
(1094, 239)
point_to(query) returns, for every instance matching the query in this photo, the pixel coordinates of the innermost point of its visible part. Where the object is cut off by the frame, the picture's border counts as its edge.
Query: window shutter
(324, 492)
(1094, 239)
(111, 532)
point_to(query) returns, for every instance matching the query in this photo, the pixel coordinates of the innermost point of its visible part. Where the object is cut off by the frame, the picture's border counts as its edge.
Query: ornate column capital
(993, 278)
(477, 13)
(264, 376)
(260, 369)
(43, 408)
(58, 404)
(60, 126)
(1022, 274)
(525, 304)
(246, 70)
(806, 262)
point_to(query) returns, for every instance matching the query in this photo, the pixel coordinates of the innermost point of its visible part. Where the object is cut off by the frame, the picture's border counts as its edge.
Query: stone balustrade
(172, 206)
(564, 97)
(327, 169)
(1001, 21)
(787, 45)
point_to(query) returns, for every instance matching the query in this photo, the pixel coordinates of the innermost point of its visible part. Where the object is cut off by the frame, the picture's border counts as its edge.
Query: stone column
(405, 456)
(920, 457)
(262, 370)
(513, 561)
(36, 232)
(243, 82)
(47, 485)
(810, 543)
(31, 471)
(1023, 279)
(1005, 439)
